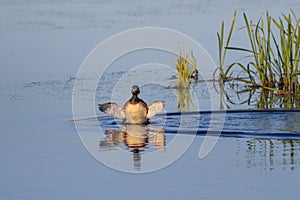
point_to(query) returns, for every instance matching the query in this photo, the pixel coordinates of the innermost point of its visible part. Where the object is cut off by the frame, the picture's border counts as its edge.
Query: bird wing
(112, 109)
(156, 107)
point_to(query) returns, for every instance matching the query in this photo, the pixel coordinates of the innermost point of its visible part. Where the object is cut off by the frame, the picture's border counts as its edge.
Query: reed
(224, 74)
(288, 51)
(275, 60)
(260, 68)
(186, 66)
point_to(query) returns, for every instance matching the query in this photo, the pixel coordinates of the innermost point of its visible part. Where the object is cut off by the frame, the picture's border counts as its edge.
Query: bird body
(136, 113)
(135, 110)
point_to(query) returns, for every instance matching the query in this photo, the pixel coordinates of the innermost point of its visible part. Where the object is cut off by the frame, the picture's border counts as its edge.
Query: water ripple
(272, 124)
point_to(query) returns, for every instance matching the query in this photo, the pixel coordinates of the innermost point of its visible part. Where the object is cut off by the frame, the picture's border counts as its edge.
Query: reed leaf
(186, 66)
(222, 48)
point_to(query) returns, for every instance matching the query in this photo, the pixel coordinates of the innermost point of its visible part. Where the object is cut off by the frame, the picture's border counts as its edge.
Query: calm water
(42, 45)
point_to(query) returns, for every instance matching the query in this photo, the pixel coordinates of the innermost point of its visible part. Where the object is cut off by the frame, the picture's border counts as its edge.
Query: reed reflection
(256, 97)
(136, 138)
(185, 103)
(270, 154)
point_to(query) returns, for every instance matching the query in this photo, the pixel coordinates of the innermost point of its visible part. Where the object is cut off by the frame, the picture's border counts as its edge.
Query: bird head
(135, 90)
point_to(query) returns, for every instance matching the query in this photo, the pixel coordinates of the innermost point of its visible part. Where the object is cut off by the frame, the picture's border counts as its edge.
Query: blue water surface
(43, 44)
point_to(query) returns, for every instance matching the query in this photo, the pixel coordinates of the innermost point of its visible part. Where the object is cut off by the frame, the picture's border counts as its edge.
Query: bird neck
(134, 99)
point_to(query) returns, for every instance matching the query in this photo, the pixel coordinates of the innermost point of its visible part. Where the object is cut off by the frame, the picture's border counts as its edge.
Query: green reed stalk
(261, 50)
(271, 69)
(186, 66)
(288, 51)
(223, 50)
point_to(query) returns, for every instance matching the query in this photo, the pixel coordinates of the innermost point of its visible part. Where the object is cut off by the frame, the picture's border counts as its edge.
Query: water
(266, 133)
(42, 45)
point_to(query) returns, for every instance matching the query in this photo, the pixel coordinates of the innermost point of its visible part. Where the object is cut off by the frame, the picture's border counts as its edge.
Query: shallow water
(42, 45)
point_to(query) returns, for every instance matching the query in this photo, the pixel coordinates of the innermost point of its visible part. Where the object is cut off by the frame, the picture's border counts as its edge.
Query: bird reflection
(136, 138)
